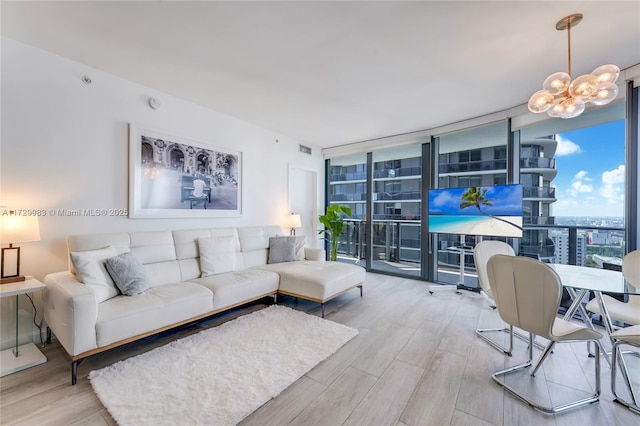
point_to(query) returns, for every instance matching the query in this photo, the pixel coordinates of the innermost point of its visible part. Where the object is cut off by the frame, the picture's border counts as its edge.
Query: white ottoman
(319, 281)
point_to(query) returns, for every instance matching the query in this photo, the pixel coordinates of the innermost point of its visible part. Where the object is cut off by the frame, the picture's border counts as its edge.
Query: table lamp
(293, 221)
(15, 228)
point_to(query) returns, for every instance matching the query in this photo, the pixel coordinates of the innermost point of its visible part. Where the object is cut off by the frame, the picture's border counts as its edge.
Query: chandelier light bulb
(562, 98)
(606, 73)
(571, 108)
(540, 101)
(583, 87)
(606, 93)
(555, 110)
(557, 83)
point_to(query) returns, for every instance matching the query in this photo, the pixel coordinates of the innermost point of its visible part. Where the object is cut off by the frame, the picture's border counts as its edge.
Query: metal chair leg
(543, 356)
(549, 410)
(480, 333)
(615, 353)
(508, 351)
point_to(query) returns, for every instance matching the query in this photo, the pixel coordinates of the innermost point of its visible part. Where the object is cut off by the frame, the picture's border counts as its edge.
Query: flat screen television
(477, 210)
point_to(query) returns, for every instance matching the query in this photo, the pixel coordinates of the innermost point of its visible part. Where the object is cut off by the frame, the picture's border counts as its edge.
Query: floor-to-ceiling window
(573, 176)
(474, 157)
(579, 204)
(397, 210)
(347, 186)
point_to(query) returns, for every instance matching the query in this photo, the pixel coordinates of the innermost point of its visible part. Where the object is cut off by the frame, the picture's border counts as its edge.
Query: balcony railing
(473, 166)
(544, 251)
(396, 240)
(538, 163)
(527, 192)
(348, 176)
(575, 253)
(538, 192)
(395, 217)
(399, 172)
(408, 195)
(354, 196)
(538, 220)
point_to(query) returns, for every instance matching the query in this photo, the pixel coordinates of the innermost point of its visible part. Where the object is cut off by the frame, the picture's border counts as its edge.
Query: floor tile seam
(424, 375)
(466, 367)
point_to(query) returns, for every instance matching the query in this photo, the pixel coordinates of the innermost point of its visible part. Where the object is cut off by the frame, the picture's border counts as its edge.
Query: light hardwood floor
(416, 361)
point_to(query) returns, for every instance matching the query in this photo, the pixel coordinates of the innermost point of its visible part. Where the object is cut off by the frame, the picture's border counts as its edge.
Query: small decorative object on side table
(15, 227)
(28, 355)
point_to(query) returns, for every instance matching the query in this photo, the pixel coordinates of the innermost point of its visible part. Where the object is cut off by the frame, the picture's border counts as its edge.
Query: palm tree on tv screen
(477, 196)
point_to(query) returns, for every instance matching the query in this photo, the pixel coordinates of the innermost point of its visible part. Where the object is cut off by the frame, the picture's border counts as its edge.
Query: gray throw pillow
(300, 241)
(128, 274)
(282, 249)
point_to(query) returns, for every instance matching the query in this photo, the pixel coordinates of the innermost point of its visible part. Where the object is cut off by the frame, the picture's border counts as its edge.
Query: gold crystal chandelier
(563, 98)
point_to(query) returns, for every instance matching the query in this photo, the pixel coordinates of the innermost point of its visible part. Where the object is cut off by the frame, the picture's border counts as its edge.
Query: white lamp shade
(293, 221)
(17, 228)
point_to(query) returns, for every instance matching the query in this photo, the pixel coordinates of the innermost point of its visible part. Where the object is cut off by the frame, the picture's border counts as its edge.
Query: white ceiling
(330, 73)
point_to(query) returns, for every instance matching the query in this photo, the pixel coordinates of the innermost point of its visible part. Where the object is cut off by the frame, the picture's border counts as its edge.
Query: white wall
(64, 145)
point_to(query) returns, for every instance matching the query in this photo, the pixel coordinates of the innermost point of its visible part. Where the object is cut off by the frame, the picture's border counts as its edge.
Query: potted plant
(333, 221)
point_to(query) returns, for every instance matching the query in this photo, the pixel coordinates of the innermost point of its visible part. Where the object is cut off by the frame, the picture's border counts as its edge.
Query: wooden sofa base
(77, 359)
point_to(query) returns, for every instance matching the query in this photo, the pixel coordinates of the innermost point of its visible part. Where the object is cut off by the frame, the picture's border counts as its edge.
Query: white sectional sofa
(185, 283)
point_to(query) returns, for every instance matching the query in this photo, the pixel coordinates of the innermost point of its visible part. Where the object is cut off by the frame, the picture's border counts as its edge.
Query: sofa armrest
(314, 254)
(71, 311)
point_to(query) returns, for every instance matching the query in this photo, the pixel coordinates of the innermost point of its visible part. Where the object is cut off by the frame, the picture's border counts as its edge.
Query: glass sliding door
(347, 186)
(474, 157)
(573, 177)
(396, 190)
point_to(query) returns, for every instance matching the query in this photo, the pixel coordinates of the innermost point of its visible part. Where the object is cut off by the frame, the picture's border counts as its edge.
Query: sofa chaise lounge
(192, 274)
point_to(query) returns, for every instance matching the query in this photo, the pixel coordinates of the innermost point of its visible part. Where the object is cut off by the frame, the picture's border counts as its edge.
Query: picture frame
(176, 177)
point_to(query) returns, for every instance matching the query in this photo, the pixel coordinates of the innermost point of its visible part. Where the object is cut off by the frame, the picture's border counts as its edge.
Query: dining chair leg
(543, 356)
(508, 351)
(615, 353)
(595, 397)
(481, 333)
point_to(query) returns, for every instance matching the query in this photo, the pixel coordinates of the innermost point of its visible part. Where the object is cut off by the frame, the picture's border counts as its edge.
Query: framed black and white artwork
(172, 177)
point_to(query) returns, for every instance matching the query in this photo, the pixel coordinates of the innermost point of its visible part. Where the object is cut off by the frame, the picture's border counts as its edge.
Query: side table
(24, 356)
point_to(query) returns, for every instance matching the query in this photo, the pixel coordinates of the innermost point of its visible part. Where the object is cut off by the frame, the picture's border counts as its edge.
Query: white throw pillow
(217, 255)
(91, 270)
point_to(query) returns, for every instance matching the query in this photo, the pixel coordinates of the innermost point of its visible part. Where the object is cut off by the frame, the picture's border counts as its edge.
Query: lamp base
(12, 279)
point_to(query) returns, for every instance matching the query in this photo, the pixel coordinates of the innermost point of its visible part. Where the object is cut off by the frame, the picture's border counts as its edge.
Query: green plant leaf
(333, 221)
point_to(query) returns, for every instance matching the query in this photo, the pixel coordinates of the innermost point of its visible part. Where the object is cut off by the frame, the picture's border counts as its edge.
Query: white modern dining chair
(527, 295)
(624, 336)
(628, 312)
(482, 252)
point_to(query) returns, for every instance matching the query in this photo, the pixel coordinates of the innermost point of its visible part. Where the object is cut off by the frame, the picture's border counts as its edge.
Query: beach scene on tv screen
(477, 210)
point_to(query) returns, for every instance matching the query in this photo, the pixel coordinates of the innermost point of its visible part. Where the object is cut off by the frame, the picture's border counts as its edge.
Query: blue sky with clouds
(590, 165)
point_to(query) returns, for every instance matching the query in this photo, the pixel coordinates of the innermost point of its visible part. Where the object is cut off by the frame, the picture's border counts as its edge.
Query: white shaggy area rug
(220, 375)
